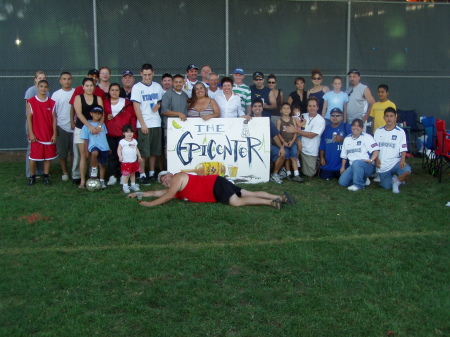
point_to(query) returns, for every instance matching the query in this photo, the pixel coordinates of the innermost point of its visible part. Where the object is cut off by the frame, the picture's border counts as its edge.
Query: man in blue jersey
(331, 145)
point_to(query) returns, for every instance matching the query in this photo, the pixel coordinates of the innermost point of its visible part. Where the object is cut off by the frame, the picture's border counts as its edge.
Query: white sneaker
(112, 181)
(377, 179)
(102, 182)
(94, 172)
(135, 188)
(64, 177)
(367, 182)
(276, 178)
(353, 188)
(126, 189)
(298, 163)
(282, 174)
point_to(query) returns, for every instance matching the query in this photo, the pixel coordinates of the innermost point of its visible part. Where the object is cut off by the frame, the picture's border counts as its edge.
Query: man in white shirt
(146, 97)
(64, 141)
(213, 88)
(313, 127)
(391, 161)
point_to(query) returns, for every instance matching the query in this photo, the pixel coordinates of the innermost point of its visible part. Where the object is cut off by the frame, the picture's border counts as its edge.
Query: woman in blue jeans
(361, 150)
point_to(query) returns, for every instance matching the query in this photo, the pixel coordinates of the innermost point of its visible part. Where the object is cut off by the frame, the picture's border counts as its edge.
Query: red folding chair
(442, 161)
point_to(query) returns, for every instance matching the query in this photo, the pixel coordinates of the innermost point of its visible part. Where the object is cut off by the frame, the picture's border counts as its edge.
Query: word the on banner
(230, 147)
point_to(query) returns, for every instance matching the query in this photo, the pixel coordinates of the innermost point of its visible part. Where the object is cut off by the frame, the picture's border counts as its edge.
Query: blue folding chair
(428, 158)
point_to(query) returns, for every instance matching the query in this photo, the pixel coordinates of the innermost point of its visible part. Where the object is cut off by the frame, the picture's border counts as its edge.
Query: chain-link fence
(404, 45)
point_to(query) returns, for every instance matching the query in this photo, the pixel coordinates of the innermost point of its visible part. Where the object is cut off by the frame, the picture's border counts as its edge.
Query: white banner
(230, 147)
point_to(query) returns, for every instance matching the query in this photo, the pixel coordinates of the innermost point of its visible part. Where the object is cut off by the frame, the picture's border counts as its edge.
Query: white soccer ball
(93, 185)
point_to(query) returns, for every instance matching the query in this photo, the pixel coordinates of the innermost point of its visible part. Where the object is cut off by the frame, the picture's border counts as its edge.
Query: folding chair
(442, 162)
(429, 154)
(412, 130)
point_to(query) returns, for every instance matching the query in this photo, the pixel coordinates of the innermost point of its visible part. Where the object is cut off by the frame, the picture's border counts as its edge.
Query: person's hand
(402, 164)
(182, 116)
(248, 118)
(120, 159)
(88, 155)
(323, 162)
(53, 141)
(144, 129)
(131, 195)
(342, 169)
(282, 152)
(378, 162)
(110, 116)
(338, 139)
(72, 125)
(140, 160)
(93, 130)
(291, 129)
(155, 108)
(145, 203)
(32, 137)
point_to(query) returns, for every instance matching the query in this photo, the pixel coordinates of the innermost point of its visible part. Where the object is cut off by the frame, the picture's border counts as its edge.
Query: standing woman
(83, 105)
(119, 112)
(318, 90)
(272, 84)
(104, 75)
(229, 102)
(200, 105)
(299, 97)
(31, 92)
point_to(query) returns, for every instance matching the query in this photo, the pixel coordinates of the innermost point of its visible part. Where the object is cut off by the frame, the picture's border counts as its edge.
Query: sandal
(276, 203)
(287, 199)
(81, 186)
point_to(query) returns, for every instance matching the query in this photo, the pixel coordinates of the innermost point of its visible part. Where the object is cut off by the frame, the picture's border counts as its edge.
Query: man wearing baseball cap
(258, 90)
(360, 100)
(243, 90)
(191, 79)
(331, 145)
(127, 84)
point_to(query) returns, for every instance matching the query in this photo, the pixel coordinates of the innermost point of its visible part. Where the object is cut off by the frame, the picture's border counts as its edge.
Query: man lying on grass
(212, 188)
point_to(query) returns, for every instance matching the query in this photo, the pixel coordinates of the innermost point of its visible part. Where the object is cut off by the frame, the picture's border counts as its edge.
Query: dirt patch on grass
(12, 156)
(32, 218)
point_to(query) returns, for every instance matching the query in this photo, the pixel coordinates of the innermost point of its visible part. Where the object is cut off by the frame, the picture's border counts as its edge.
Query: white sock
(132, 184)
(151, 173)
(288, 173)
(102, 180)
(395, 185)
(142, 175)
(296, 173)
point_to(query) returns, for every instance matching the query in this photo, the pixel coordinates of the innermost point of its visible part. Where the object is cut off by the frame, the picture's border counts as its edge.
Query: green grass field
(339, 263)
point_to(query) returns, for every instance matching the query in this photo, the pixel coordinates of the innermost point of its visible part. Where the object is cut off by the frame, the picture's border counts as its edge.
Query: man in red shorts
(211, 188)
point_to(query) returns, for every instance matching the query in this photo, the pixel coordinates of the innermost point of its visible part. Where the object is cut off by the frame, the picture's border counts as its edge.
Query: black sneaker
(46, 181)
(144, 181)
(31, 181)
(76, 181)
(153, 178)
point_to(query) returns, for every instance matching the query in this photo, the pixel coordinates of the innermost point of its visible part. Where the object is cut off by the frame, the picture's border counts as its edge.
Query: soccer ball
(93, 185)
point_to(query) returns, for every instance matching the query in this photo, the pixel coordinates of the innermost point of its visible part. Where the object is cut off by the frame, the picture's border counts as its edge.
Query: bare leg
(63, 163)
(83, 164)
(403, 177)
(102, 171)
(32, 167)
(94, 159)
(294, 164)
(47, 166)
(142, 165)
(132, 178)
(278, 164)
(248, 201)
(151, 163)
(259, 195)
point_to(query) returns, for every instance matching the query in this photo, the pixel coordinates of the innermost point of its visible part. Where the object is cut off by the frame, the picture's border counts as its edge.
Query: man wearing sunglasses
(360, 99)
(331, 145)
(259, 90)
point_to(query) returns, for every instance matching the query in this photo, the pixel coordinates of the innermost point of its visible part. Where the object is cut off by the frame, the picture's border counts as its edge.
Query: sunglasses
(317, 78)
(271, 82)
(351, 92)
(258, 79)
(338, 115)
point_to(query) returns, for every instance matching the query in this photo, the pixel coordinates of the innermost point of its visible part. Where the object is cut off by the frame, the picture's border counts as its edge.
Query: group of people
(122, 128)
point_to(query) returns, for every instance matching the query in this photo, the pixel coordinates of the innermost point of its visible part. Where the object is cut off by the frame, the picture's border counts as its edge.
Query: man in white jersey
(360, 99)
(391, 161)
(213, 88)
(191, 79)
(243, 90)
(146, 97)
(64, 142)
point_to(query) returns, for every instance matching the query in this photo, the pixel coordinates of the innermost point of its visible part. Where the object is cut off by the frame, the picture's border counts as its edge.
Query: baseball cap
(239, 71)
(191, 66)
(98, 109)
(354, 71)
(160, 174)
(166, 75)
(258, 74)
(336, 110)
(127, 72)
(93, 72)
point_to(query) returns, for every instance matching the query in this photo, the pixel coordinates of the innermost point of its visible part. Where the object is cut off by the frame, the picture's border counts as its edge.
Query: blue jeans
(386, 177)
(356, 174)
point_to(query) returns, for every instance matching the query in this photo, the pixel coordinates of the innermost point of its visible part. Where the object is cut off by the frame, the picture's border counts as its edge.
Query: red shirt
(42, 118)
(198, 189)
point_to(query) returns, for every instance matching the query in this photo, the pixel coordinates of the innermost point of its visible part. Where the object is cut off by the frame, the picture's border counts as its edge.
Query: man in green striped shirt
(242, 90)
